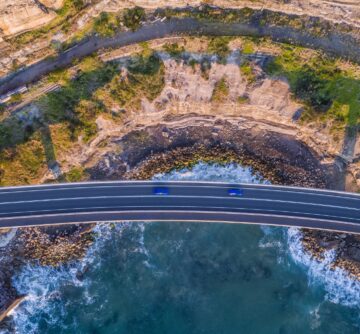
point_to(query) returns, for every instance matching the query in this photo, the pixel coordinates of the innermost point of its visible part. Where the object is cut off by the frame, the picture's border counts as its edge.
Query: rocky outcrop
(346, 246)
(22, 15)
(47, 246)
(158, 149)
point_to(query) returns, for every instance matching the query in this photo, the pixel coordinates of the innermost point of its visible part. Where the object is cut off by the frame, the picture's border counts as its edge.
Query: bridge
(180, 201)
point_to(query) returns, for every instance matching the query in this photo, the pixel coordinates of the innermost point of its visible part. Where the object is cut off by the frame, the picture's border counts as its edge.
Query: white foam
(7, 237)
(339, 286)
(42, 284)
(214, 172)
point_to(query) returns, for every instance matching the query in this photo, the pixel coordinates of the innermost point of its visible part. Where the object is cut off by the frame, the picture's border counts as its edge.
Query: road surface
(186, 201)
(334, 44)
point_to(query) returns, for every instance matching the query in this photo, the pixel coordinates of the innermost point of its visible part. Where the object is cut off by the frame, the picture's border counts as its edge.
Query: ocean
(190, 278)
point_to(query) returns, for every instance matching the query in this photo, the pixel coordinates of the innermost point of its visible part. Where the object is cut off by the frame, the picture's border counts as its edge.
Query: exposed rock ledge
(47, 246)
(279, 157)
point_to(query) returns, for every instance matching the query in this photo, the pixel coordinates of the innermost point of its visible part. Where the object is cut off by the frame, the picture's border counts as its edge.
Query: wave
(214, 172)
(43, 285)
(339, 286)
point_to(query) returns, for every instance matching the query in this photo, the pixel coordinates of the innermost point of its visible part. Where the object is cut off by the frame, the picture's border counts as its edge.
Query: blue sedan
(235, 192)
(161, 191)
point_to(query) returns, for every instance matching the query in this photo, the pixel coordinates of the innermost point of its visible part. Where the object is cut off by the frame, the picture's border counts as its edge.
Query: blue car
(161, 191)
(235, 192)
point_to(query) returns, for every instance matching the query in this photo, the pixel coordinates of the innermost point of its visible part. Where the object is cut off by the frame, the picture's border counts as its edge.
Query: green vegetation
(316, 80)
(26, 151)
(242, 99)
(145, 79)
(60, 76)
(133, 16)
(248, 47)
(23, 163)
(247, 71)
(174, 50)
(106, 24)
(263, 17)
(221, 91)
(16, 98)
(70, 6)
(219, 46)
(76, 174)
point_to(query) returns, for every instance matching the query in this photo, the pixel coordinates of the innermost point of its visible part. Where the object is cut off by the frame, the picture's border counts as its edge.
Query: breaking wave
(42, 284)
(339, 286)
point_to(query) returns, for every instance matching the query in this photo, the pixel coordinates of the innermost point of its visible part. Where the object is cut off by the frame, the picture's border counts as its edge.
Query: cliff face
(22, 15)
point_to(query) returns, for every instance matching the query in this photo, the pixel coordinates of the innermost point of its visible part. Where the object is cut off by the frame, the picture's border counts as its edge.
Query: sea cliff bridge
(179, 201)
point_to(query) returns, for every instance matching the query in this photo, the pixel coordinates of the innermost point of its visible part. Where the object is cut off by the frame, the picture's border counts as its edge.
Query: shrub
(145, 64)
(174, 50)
(76, 174)
(106, 24)
(221, 91)
(312, 88)
(133, 16)
(219, 46)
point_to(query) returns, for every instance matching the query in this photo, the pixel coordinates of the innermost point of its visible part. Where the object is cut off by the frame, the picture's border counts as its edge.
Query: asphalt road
(186, 201)
(338, 45)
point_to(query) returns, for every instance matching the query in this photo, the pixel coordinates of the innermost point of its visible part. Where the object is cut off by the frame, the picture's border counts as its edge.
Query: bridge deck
(186, 201)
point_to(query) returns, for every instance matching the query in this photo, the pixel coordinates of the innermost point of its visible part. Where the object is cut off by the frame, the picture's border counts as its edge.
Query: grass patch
(219, 46)
(221, 91)
(106, 24)
(173, 49)
(248, 47)
(24, 163)
(327, 91)
(133, 16)
(145, 78)
(247, 71)
(76, 174)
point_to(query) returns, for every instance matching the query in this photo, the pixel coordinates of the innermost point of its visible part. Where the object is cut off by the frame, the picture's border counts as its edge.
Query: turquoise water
(190, 278)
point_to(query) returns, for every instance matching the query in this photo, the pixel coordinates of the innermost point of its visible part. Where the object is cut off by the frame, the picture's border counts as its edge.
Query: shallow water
(190, 278)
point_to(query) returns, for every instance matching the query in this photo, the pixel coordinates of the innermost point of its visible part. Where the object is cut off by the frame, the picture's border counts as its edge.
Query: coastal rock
(22, 15)
(47, 246)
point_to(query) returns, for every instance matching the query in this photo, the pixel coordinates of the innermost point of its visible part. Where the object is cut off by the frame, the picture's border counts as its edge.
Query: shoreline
(164, 147)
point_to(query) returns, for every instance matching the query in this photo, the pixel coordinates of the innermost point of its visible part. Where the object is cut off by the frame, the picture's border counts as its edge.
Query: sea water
(190, 278)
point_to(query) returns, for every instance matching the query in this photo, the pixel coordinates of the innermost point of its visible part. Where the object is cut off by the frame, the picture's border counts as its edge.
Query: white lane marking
(179, 196)
(206, 219)
(140, 208)
(177, 184)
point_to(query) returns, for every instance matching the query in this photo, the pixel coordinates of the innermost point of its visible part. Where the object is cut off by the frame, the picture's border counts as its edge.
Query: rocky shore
(346, 246)
(278, 157)
(48, 246)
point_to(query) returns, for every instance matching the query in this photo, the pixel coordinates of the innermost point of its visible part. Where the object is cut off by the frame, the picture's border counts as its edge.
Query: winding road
(185, 201)
(335, 44)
